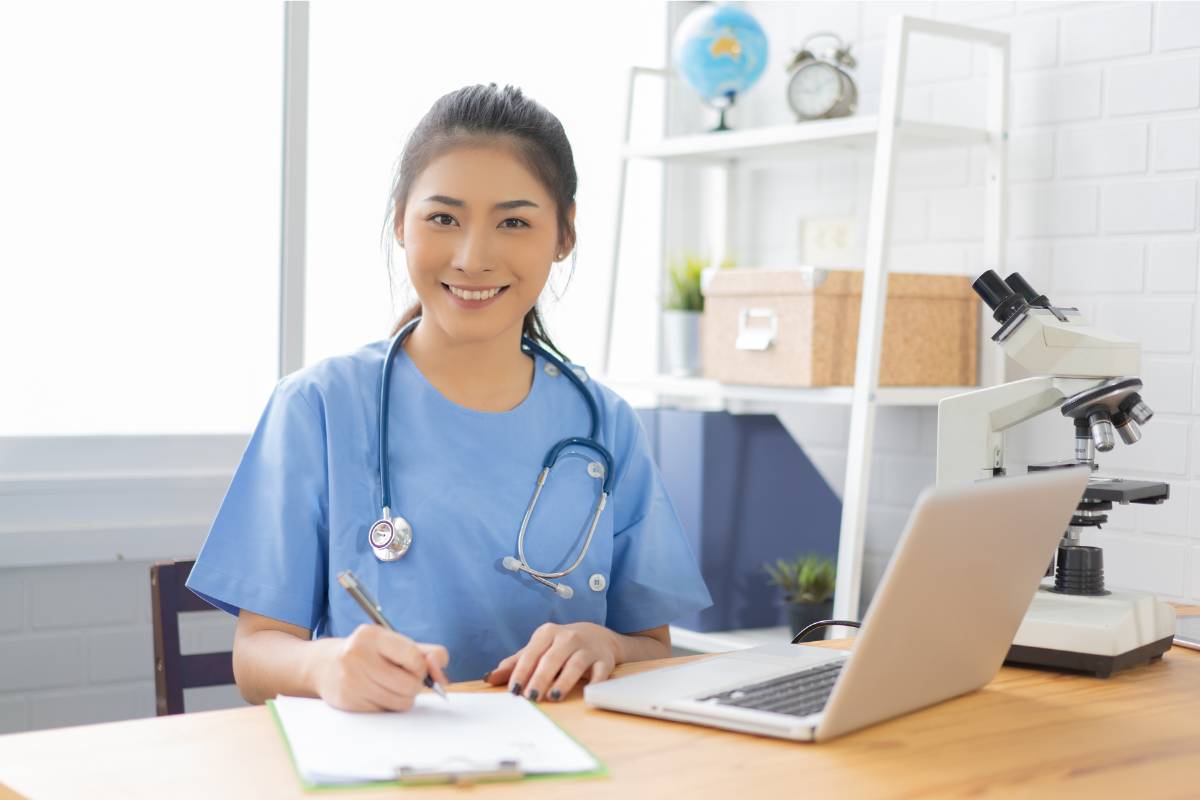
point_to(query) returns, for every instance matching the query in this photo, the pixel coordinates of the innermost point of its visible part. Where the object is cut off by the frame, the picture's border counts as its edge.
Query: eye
(523, 224)
(447, 216)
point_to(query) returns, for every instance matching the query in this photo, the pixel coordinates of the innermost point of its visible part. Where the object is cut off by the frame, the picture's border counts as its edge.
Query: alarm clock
(820, 87)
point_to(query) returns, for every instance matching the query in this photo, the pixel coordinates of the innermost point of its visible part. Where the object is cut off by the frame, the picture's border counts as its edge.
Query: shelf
(848, 133)
(718, 394)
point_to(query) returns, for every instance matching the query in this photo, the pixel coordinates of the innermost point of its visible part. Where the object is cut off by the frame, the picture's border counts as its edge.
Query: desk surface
(1026, 733)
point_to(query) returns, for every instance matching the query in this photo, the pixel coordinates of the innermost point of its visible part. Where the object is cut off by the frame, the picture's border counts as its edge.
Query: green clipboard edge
(600, 772)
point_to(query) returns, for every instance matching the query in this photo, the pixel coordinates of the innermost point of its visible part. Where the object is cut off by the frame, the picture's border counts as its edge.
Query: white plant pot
(681, 342)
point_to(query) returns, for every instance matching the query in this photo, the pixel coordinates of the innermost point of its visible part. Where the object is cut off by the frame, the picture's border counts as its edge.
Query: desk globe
(721, 51)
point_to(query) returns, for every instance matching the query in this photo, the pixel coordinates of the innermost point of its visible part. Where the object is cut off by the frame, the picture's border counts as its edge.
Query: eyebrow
(507, 204)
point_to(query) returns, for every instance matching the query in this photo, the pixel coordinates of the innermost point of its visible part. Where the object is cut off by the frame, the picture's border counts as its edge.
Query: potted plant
(682, 307)
(806, 584)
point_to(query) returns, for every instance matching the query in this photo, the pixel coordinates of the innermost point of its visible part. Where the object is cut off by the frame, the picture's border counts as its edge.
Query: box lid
(830, 282)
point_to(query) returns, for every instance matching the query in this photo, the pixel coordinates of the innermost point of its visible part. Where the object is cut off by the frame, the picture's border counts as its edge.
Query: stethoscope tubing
(589, 442)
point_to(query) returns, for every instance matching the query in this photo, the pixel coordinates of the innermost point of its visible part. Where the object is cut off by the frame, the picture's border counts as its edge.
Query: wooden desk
(1027, 733)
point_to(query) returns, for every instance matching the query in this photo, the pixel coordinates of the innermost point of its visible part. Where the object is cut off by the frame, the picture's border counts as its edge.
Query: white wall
(81, 520)
(1104, 160)
(1103, 172)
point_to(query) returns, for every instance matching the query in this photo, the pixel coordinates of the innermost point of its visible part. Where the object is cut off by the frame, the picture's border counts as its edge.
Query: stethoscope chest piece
(390, 538)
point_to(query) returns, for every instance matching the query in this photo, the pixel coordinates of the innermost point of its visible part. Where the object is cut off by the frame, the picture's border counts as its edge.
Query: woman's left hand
(556, 657)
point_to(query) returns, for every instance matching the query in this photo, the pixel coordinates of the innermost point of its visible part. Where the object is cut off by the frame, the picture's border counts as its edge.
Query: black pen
(356, 590)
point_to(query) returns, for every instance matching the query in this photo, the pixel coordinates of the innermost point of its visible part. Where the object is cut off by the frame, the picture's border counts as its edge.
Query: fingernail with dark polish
(485, 675)
(533, 694)
(555, 694)
(516, 689)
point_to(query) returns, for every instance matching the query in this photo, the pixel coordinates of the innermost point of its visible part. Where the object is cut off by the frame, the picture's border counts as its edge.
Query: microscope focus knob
(1102, 430)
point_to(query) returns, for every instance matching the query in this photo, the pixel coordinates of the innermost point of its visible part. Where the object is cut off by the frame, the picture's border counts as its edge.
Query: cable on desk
(825, 623)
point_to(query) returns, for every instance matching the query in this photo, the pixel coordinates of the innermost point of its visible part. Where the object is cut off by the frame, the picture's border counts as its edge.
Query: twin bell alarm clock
(820, 87)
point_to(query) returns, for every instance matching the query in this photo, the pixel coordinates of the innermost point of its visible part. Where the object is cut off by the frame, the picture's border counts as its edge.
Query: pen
(356, 590)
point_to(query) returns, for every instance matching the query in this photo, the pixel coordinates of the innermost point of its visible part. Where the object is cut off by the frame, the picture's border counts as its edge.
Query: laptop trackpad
(710, 676)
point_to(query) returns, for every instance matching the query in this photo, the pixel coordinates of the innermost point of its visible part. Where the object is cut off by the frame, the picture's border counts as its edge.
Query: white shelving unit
(884, 133)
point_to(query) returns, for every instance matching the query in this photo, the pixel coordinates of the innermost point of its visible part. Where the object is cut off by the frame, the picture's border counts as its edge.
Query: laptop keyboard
(798, 694)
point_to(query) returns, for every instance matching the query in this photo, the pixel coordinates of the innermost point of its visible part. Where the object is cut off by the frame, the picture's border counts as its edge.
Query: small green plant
(683, 275)
(805, 579)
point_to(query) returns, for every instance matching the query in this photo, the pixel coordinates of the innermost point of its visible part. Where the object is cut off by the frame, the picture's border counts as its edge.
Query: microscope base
(1100, 635)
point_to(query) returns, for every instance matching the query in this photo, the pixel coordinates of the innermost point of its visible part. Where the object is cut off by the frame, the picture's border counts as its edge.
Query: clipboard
(463, 773)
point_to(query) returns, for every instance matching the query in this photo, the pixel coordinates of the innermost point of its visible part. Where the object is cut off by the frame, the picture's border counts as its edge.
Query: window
(139, 265)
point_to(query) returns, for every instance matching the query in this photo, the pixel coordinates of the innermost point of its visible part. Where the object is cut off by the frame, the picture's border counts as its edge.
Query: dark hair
(475, 114)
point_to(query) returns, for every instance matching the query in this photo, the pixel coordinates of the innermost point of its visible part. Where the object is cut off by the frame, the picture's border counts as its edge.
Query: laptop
(950, 602)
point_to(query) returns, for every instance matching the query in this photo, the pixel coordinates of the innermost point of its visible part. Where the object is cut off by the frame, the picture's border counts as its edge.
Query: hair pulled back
(479, 114)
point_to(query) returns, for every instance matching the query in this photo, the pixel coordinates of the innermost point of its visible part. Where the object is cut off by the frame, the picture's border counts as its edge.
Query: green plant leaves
(804, 579)
(683, 282)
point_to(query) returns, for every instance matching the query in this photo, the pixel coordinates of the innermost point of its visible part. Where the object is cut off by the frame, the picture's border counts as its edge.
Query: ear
(399, 229)
(569, 243)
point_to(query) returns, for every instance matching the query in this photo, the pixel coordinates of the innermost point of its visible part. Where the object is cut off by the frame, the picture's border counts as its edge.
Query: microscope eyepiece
(999, 296)
(1021, 286)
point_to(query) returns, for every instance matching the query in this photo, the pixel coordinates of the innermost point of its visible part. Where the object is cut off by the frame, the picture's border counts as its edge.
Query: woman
(483, 204)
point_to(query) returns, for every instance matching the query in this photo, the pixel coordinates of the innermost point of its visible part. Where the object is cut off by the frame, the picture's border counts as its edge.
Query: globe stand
(730, 97)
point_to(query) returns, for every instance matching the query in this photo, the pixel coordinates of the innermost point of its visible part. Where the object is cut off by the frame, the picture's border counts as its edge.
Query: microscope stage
(1118, 490)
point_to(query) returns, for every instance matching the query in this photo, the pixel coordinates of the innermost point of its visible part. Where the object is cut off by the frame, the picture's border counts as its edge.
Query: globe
(720, 50)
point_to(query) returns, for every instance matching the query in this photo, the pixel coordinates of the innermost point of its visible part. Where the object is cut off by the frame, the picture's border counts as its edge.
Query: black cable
(825, 623)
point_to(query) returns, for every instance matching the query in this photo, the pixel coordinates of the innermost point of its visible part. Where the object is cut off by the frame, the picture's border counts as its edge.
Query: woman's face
(480, 233)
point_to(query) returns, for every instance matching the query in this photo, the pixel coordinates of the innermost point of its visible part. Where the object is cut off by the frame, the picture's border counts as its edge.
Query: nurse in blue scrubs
(483, 205)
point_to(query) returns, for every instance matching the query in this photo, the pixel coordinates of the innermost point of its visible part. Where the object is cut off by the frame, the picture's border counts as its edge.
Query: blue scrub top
(307, 490)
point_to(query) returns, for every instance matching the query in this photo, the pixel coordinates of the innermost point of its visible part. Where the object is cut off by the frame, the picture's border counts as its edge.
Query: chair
(173, 671)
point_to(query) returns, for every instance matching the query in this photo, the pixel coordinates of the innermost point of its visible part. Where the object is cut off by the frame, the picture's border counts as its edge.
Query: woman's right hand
(374, 669)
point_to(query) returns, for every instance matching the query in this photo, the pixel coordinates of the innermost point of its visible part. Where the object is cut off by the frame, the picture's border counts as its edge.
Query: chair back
(173, 671)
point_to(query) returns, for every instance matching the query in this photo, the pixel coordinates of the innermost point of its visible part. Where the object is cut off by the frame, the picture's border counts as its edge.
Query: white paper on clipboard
(468, 732)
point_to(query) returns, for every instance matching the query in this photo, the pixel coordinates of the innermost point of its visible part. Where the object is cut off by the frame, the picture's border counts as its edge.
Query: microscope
(1074, 622)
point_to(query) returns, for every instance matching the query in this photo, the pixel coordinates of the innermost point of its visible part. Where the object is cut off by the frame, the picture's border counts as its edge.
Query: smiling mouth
(474, 295)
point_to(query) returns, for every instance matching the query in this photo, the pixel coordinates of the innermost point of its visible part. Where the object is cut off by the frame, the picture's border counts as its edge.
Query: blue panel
(746, 494)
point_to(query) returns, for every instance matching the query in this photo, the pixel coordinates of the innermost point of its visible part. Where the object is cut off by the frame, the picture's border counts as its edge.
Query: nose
(474, 254)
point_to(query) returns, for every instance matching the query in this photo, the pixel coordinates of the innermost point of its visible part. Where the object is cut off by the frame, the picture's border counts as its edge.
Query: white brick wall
(1156, 85)
(1151, 206)
(1115, 265)
(1107, 32)
(80, 649)
(1173, 266)
(1104, 165)
(1177, 144)
(1102, 150)
(1178, 26)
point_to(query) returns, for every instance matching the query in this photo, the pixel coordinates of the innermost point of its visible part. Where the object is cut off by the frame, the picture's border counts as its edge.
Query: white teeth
(470, 295)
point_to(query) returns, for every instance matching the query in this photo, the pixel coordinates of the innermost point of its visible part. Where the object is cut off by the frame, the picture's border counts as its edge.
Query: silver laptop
(946, 611)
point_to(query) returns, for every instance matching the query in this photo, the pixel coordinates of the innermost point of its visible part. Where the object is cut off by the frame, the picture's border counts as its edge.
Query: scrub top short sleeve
(268, 546)
(655, 577)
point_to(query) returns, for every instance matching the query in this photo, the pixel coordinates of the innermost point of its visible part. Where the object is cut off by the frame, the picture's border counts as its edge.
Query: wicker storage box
(799, 327)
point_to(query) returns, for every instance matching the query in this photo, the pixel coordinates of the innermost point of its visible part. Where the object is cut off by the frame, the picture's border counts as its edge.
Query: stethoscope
(391, 536)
